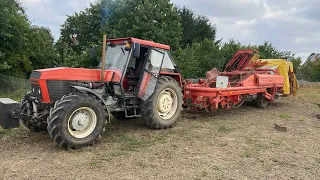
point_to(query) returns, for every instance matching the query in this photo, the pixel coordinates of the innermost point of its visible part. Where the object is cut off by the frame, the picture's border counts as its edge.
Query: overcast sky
(292, 25)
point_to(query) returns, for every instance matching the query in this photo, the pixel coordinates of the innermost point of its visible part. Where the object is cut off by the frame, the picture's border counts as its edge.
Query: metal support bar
(103, 61)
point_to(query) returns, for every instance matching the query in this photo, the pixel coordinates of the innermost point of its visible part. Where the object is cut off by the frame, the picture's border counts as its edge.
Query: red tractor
(136, 78)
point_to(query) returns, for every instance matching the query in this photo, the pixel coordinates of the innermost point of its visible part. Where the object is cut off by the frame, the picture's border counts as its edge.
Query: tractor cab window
(167, 62)
(116, 57)
(154, 60)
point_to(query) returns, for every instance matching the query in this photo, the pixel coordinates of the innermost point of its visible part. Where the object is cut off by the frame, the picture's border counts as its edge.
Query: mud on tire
(150, 108)
(61, 120)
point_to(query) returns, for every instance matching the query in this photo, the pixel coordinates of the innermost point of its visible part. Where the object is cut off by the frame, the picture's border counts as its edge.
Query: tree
(228, 49)
(23, 47)
(311, 70)
(41, 52)
(148, 19)
(13, 37)
(198, 58)
(85, 26)
(156, 20)
(195, 28)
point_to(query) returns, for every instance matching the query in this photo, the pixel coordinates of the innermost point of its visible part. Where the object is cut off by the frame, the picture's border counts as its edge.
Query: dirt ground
(228, 144)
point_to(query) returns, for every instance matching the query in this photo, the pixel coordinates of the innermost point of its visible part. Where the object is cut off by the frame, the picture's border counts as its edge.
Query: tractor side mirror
(136, 50)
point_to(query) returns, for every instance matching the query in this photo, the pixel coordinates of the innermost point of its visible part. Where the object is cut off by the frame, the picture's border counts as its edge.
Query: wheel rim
(82, 122)
(167, 103)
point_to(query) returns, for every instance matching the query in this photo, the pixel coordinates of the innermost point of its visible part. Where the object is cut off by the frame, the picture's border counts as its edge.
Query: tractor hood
(75, 74)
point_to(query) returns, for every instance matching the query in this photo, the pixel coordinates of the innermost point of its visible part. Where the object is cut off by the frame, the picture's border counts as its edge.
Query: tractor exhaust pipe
(103, 64)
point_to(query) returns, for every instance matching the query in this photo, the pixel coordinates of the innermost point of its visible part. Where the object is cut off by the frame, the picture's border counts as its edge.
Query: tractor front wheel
(76, 120)
(26, 110)
(163, 108)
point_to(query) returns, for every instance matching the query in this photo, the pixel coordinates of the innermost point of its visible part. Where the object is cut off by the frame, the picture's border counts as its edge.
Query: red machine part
(72, 74)
(245, 80)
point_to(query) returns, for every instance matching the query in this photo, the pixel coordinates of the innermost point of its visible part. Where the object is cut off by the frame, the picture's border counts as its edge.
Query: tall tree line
(192, 37)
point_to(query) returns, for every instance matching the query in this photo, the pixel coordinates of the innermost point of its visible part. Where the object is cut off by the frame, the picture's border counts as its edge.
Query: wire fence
(14, 88)
(307, 84)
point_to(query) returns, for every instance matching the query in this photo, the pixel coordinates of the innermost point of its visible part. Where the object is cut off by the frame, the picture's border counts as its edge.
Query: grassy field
(227, 144)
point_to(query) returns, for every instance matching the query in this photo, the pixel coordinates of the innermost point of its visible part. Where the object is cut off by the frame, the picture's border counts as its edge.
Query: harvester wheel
(26, 110)
(163, 108)
(261, 101)
(76, 120)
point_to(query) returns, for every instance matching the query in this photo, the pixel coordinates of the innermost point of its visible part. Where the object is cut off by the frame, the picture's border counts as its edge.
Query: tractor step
(133, 113)
(9, 113)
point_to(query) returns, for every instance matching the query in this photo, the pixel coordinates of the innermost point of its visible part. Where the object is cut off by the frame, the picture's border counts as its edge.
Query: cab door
(150, 74)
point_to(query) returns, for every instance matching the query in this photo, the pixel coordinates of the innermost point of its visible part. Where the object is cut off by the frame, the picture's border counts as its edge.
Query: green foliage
(195, 28)
(23, 47)
(311, 70)
(156, 20)
(86, 26)
(13, 37)
(41, 51)
(198, 58)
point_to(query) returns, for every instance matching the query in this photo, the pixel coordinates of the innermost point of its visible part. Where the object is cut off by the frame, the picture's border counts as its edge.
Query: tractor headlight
(39, 91)
(33, 89)
(117, 89)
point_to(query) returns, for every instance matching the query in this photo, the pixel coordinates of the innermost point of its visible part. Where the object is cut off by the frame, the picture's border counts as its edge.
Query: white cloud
(52, 13)
(34, 2)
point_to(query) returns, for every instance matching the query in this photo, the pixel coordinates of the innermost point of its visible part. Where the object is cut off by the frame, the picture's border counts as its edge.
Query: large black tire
(60, 124)
(261, 101)
(149, 108)
(26, 121)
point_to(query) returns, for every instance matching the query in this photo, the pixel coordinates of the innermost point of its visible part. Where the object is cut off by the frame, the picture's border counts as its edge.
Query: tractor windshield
(116, 57)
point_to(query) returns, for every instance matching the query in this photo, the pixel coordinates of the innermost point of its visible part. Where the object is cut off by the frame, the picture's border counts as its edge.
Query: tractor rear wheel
(76, 120)
(163, 108)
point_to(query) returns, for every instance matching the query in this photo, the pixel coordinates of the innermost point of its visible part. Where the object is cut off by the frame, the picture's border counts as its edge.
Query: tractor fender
(80, 88)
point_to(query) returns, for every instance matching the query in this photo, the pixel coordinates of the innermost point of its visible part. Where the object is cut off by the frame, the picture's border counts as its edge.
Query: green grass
(223, 129)
(204, 173)
(132, 144)
(302, 119)
(94, 164)
(127, 145)
(247, 154)
(15, 95)
(256, 146)
(285, 116)
(4, 131)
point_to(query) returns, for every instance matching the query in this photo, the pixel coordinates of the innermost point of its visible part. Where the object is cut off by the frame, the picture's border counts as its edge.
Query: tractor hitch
(9, 113)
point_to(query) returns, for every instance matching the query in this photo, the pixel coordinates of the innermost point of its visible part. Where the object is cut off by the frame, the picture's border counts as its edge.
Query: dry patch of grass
(235, 144)
(223, 129)
(309, 95)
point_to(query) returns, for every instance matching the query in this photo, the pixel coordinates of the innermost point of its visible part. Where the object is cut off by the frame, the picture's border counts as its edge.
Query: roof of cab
(142, 42)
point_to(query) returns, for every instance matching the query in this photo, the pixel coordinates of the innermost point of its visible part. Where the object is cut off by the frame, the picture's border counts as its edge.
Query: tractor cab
(139, 63)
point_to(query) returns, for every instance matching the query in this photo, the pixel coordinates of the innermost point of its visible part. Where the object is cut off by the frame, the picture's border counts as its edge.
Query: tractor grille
(57, 89)
(35, 75)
